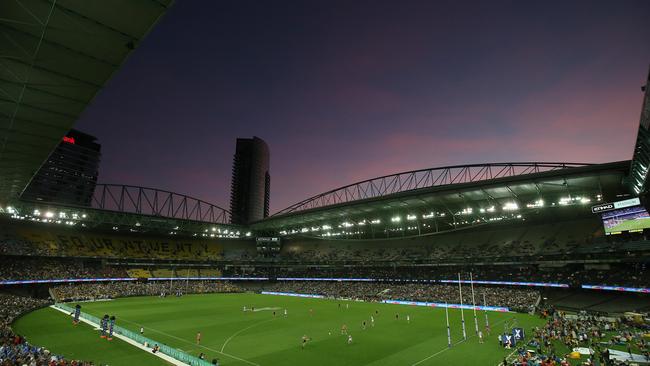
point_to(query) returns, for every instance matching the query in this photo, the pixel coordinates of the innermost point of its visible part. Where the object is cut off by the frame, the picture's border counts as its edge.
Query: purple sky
(348, 90)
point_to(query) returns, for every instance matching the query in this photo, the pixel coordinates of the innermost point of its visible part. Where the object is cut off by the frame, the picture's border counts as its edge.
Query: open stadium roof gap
(59, 54)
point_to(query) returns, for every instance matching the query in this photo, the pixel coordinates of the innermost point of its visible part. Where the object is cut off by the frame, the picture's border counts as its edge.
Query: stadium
(515, 263)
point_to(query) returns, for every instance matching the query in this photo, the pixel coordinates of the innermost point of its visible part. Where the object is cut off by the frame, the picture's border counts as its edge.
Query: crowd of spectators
(552, 343)
(15, 245)
(635, 274)
(558, 240)
(14, 349)
(111, 290)
(514, 298)
(627, 274)
(29, 268)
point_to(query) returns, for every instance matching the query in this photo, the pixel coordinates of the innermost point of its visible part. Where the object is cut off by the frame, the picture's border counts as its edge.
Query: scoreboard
(268, 245)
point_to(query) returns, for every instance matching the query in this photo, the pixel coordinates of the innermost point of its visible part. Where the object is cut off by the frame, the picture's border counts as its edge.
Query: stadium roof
(468, 200)
(55, 56)
(641, 160)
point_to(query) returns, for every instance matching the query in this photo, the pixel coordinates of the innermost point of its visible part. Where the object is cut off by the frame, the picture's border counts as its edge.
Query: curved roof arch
(423, 178)
(156, 202)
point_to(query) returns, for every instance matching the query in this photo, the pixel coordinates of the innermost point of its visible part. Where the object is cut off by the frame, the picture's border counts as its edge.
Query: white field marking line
(197, 345)
(507, 357)
(130, 341)
(265, 309)
(445, 349)
(243, 330)
(437, 353)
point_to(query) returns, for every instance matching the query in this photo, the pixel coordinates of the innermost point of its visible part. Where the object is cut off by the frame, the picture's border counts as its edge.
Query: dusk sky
(348, 90)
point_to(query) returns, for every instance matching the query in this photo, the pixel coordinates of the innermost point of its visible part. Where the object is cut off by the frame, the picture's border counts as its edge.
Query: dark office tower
(249, 191)
(69, 174)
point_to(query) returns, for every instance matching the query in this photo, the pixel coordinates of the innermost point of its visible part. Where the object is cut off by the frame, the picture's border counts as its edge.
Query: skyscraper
(69, 174)
(250, 187)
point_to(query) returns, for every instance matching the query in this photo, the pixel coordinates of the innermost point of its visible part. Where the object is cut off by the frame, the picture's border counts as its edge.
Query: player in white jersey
(349, 338)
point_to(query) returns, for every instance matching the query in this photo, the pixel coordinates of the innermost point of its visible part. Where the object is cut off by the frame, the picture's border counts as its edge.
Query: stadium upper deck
(525, 191)
(450, 198)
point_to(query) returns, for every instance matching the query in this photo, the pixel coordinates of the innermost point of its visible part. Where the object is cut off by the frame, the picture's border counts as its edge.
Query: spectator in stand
(14, 349)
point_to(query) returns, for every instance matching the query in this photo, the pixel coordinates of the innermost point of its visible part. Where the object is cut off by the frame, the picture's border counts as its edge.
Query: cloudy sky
(348, 90)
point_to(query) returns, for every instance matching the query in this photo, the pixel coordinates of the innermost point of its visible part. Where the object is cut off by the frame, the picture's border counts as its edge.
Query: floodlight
(510, 206)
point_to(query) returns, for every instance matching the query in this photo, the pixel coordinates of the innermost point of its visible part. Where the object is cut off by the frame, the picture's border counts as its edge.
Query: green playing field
(258, 337)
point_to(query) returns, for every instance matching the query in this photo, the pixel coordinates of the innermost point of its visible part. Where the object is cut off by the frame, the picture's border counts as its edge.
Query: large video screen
(634, 218)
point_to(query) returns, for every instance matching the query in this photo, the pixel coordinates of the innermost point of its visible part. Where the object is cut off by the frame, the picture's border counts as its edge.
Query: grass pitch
(258, 338)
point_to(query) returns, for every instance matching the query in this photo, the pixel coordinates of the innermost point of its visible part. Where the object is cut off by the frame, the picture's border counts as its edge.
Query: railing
(167, 350)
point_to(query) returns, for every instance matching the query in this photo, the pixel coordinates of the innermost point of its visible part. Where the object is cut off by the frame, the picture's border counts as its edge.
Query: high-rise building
(250, 187)
(69, 174)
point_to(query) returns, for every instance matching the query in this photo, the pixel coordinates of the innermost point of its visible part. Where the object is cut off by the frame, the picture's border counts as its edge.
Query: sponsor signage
(604, 207)
(627, 203)
(208, 278)
(292, 294)
(617, 288)
(444, 305)
(508, 283)
(71, 280)
(64, 280)
(325, 279)
(267, 239)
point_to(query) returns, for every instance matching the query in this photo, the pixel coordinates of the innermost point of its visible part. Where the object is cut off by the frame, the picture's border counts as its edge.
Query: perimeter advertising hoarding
(617, 288)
